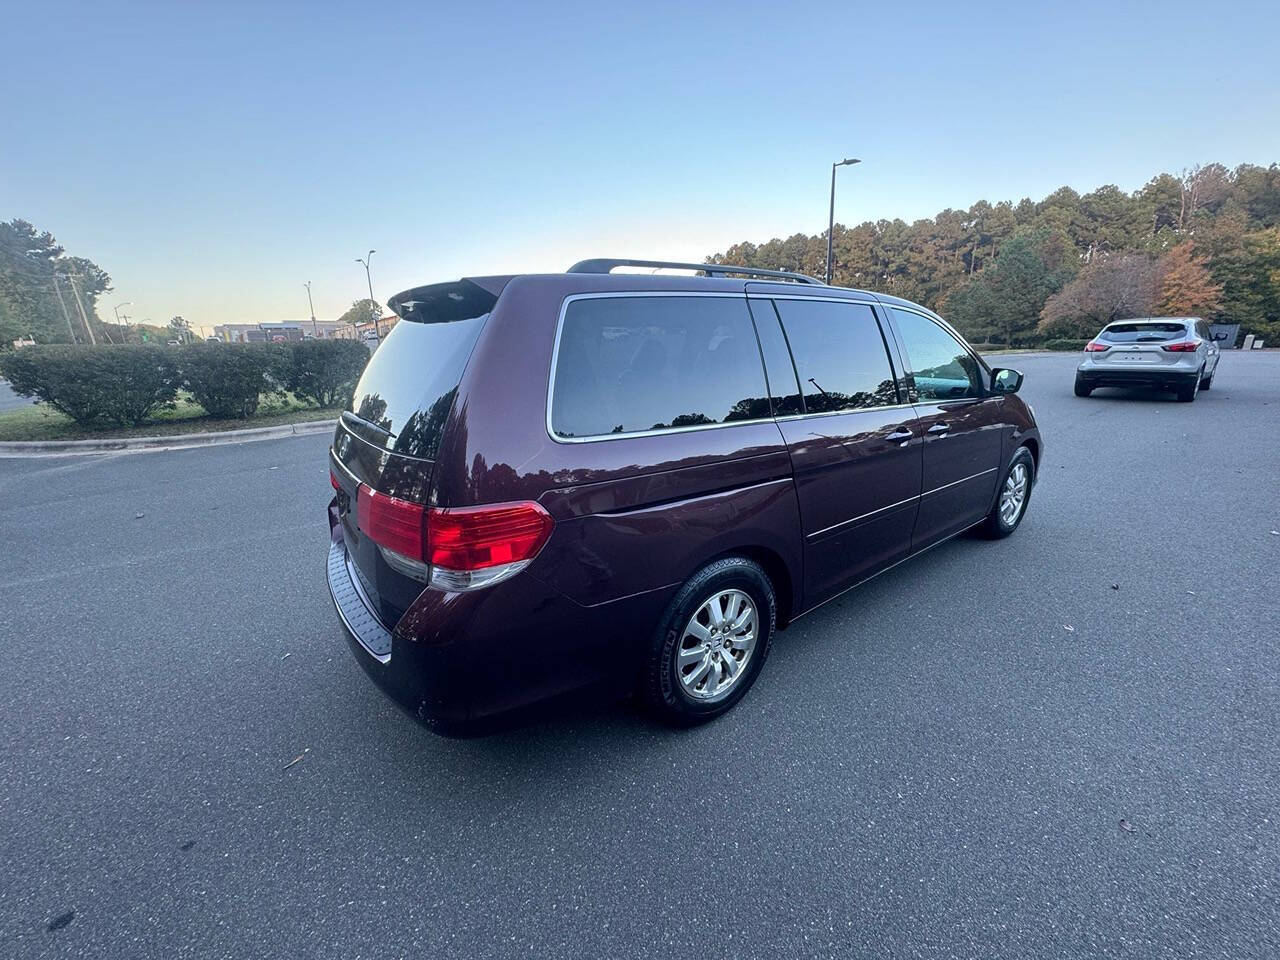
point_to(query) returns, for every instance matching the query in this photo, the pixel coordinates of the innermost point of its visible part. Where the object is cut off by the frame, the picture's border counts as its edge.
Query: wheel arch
(775, 568)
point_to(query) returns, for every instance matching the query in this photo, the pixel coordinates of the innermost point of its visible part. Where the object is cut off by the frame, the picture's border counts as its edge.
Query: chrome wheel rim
(716, 645)
(1014, 494)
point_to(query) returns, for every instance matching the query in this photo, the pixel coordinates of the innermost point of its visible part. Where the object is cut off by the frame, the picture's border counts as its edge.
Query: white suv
(1163, 353)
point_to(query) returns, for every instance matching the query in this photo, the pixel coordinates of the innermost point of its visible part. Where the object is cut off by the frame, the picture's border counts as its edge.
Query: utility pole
(62, 303)
(116, 308)
(80, 303)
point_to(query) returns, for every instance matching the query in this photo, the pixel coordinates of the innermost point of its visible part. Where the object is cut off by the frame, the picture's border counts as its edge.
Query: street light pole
(831, 218)
(313, 308)
(377, 329)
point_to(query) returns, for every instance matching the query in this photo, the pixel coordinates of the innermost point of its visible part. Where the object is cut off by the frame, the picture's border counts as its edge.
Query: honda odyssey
(548, 483)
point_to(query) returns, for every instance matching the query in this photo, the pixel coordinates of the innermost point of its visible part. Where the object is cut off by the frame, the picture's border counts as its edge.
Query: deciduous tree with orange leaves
(1185, 287)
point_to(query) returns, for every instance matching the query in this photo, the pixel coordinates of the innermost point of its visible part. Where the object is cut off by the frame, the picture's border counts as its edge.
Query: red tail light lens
(333, 481)
(472, 538)
(1182, 346)
(392, 523)
(1093, 346)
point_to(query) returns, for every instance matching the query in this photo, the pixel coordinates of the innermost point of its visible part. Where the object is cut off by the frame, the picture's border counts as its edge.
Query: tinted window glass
(839, 354)
(777, 360)
(627, 364)
(1142, 332)
(943, 369)
(409, 385)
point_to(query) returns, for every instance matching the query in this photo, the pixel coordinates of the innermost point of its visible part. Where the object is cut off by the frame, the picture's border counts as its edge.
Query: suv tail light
(1181, 346)
(457, 548)
(1093, 346)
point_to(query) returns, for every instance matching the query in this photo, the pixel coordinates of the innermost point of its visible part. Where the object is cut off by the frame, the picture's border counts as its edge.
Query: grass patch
(40, 422)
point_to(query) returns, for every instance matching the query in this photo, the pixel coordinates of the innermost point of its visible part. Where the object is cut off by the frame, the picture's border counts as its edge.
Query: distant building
(372, 331)
(286, 329)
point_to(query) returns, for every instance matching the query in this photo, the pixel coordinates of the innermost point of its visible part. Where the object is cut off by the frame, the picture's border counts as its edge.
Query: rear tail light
(1093, 346)
(394, 524)
(1181, 346)
(457, 548)
(469, 547)
(333, 481)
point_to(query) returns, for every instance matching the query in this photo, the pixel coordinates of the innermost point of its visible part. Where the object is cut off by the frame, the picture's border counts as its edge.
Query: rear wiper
(365, 426)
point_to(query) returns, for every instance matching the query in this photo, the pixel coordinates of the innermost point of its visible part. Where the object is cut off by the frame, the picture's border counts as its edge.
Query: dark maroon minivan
(548, 483)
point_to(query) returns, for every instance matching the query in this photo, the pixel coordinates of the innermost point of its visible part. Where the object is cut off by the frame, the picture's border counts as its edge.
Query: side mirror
(1005, 381)
(1219, 336)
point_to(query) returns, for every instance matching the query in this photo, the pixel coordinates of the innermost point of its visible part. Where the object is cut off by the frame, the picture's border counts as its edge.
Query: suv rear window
(629, 364)
(1142, 332)
(408, 387)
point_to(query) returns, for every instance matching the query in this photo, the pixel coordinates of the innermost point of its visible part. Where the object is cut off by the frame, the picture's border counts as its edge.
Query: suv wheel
(1207, 382)
(1188, 393)
(1082, 388)
(712, 642)
(1014, 496)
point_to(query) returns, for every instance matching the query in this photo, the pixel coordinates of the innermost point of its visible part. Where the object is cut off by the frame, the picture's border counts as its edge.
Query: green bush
(324, 371)
(1064, 344)
(104, 384)
(229, 379)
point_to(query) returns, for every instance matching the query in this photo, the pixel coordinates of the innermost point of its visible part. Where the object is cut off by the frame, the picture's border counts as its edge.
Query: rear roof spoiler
(606, 265)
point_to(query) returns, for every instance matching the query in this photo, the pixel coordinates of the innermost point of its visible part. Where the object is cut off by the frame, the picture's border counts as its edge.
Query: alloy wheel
(1014, 493)
(716, 645)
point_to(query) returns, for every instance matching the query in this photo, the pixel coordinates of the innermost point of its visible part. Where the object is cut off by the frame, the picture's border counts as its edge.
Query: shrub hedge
(324, 371)
(1064, 344)
(96, 385)
(228, 379)
(127, 384)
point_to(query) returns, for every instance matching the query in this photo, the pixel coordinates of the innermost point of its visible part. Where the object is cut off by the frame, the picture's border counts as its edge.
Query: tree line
(51, 297)
(1204, 243)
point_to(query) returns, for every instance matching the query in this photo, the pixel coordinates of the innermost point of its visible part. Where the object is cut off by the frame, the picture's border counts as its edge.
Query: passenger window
(839, 353)
(777, 360)
(629, 364)
(943, 369)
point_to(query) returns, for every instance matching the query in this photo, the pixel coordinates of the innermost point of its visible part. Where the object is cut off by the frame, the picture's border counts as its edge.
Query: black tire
(661, 687)
(1207, 382)
(1188, 393)
(1083, 389)
(995, 526)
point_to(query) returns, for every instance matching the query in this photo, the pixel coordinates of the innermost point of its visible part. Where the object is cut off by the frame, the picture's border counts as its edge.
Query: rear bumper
(463, 664)
(1173, 378)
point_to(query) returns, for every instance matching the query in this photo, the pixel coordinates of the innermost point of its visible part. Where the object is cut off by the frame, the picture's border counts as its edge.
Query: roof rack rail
(606, 265)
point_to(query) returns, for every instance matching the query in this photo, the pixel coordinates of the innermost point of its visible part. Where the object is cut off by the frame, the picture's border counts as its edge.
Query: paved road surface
(10, 400)
(989, 752)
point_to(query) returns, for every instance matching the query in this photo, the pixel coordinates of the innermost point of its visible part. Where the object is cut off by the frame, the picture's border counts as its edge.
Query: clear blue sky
(213, 159)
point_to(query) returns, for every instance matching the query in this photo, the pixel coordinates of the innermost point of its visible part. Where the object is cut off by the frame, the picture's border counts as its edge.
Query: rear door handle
(939, 428)
(899, 433)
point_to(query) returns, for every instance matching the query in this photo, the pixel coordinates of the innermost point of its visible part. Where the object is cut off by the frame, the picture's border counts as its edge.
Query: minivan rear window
(630, 364)
(408, 387)
(1142, 332)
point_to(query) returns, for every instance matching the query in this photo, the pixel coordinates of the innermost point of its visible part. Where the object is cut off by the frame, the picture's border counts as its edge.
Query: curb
(181, 441)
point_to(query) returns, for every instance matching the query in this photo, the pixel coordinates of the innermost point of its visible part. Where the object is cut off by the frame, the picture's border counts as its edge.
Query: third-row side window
(629, 364)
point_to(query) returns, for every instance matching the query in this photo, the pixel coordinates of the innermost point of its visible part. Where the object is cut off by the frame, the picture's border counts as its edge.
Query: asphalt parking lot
(1061, 744)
